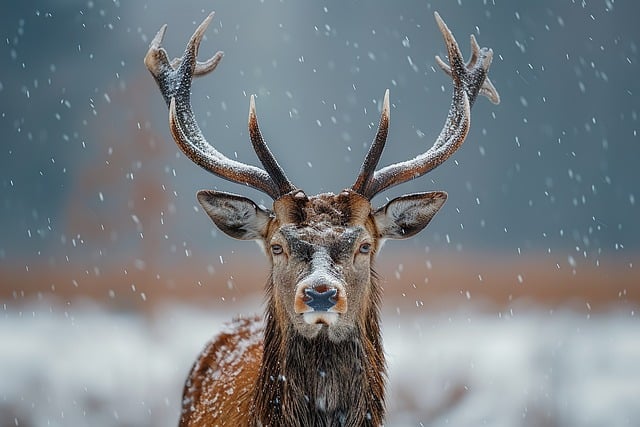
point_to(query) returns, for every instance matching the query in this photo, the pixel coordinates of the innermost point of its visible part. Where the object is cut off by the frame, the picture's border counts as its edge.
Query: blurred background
(517, 306)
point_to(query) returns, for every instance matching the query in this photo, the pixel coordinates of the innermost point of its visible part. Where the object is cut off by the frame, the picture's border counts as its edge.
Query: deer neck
(319, 382)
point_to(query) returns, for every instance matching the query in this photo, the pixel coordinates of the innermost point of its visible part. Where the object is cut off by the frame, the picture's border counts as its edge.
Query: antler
(469, 80)
(174, 80)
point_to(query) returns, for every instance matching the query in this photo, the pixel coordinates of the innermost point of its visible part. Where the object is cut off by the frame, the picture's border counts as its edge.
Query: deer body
(316, 359)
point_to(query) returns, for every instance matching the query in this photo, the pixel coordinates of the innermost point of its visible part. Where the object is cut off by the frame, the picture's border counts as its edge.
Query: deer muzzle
(320, 303)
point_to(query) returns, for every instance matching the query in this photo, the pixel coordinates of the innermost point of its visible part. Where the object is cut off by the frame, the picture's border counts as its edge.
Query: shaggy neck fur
(316, 382)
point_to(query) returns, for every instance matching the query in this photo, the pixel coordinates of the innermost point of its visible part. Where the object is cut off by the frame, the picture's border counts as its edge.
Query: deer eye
(365, 248)
(276, 249)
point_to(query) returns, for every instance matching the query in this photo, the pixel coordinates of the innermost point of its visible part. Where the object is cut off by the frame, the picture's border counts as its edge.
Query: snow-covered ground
(84, 366)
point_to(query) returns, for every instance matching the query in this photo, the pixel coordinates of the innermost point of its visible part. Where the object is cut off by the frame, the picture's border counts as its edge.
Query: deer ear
(235, 215)
(407, 215)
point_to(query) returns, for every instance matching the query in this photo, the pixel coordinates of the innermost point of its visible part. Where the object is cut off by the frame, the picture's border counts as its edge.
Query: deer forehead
(327, 210)
(334, 222)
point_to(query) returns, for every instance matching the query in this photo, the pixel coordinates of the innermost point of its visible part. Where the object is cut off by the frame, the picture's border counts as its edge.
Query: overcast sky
(87, 159)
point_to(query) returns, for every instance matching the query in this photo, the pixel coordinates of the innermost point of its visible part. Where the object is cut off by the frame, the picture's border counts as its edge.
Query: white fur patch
(320, 317)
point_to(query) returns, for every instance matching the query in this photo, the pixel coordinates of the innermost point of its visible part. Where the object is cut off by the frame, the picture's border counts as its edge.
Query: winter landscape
(84, 366)
(517, 306)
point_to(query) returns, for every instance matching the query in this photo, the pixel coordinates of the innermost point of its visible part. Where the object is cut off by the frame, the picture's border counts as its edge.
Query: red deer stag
(316, 359)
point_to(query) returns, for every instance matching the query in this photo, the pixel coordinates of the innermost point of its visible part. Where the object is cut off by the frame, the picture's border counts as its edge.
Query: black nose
(320, 301)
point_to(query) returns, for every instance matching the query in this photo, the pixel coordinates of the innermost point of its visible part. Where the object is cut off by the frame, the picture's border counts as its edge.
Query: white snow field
(84, 366)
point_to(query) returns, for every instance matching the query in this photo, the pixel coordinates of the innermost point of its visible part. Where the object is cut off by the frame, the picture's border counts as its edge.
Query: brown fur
(221, 384)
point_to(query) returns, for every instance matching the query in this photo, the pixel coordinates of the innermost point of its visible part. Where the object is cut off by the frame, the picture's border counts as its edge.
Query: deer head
(322, 284)
(320, 247)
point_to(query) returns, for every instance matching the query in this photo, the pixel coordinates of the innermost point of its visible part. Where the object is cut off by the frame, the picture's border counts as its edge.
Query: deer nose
(320, 299)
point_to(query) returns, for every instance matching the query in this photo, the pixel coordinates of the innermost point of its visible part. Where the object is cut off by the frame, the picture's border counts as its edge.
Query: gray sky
(88, 166)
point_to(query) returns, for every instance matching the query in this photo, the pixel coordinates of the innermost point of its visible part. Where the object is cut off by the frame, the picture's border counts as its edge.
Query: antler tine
(375, 150)
(469, 80)
(157, 61)
(487, 89)
(201, 68)
(264, 154)
(175, 86)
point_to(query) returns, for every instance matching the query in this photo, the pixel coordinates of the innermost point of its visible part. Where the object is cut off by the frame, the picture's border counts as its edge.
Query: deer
(316, 356)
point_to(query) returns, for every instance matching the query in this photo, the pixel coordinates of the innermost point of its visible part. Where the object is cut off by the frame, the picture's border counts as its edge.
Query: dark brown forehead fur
(344, 209)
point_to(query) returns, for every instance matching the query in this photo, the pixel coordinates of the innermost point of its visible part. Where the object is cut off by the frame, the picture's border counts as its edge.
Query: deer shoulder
(220, 385)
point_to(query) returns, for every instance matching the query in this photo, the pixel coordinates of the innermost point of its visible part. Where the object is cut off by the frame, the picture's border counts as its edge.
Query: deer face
(321, 250)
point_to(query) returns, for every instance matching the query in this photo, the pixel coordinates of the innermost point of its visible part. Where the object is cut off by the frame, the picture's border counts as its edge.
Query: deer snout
(320, 303)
